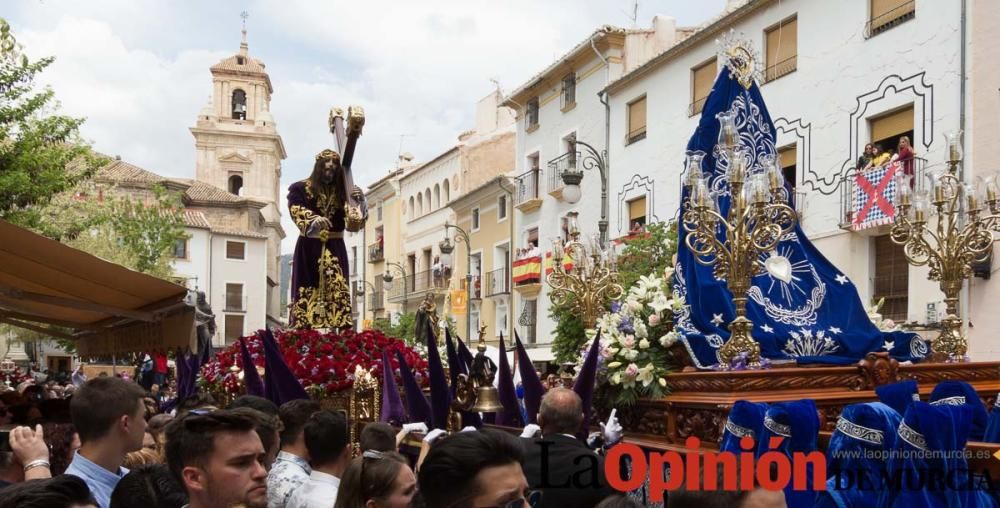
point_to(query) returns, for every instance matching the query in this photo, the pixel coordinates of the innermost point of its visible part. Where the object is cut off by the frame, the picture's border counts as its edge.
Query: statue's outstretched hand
(357, 193)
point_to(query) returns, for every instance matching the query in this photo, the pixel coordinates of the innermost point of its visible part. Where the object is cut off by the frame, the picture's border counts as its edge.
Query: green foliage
(569, 332)
(404, 329)
(41, 153)
(138, 234)
(647, 253)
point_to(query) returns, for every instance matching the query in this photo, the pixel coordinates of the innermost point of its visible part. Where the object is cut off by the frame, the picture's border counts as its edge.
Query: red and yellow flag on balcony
(527, 270)
(567, 261)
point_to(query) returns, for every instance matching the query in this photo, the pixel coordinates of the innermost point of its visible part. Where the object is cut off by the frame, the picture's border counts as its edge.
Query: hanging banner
(459, 301)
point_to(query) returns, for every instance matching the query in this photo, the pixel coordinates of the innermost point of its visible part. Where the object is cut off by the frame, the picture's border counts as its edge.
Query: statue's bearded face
(328, 172)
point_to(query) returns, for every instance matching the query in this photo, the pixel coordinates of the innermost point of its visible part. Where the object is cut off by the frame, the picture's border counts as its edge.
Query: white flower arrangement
(635, 337)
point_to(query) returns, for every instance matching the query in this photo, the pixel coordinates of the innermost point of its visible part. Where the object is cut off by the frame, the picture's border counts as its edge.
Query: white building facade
(555, 109)
(837, 75)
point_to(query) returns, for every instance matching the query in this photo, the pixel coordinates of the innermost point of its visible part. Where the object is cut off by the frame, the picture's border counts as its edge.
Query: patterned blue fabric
(856, 454)
(797, 423)
(957, 393)
(993, 424)
(930, 444)
(816, 317)
(898, 395)
(745, 419)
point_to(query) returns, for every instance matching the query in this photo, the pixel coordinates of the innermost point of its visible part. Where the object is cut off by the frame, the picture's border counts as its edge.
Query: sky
(137, 70)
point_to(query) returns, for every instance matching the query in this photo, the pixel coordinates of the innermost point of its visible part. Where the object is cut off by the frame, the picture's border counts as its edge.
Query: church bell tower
(238, 148)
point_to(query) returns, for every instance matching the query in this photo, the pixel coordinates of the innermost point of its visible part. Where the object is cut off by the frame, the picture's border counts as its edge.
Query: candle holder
(757, 218)
(960, 235)
(592, 282)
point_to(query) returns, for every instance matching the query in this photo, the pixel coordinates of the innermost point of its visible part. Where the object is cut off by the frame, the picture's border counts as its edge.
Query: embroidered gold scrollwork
(329, 304)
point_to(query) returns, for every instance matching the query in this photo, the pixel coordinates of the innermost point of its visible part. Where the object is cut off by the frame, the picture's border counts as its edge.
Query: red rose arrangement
(323, 362)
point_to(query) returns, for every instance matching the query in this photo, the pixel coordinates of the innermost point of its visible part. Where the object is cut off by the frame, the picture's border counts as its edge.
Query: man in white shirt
(327, 438)
(291, 467)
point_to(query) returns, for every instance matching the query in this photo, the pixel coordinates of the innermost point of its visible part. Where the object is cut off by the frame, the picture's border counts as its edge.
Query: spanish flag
(527, 270)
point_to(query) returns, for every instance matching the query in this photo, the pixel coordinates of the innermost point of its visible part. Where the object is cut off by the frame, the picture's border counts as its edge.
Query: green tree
(647, 253)
(138, 234)
(41, 152)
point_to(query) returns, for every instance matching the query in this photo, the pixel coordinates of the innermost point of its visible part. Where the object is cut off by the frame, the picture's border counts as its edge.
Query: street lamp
(387, 277)
(446, 249)
(571, 177)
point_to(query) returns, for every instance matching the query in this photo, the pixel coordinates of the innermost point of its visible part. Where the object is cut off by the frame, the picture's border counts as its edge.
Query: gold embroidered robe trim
(327, 306)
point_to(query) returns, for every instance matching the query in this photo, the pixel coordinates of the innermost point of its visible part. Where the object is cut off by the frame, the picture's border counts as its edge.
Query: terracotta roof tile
(203, 192)
(233, 64)
(238, 232)
(196, 219)
(121, 171)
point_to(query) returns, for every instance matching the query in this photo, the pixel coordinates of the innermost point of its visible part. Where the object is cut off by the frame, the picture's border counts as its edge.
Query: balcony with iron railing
(782, 68)
(527, 197)
(376, 300)
(528, 321)
(235, 302)
(406, 288)
(857, 209)
(558, 166)
(891, 18)
(498, 282)
(376, 252)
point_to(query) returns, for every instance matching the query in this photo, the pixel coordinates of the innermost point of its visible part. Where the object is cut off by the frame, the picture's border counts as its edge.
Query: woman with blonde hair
(377, 480)
(904, 154)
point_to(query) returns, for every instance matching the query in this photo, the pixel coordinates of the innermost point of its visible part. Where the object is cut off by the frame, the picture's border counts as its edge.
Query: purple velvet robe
(312, 306)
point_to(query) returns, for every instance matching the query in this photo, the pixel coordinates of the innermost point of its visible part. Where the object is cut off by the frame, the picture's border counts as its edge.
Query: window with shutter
(781, 43)
(702, 78)
(637, 213)
(885, 14)
(636, 120)
(235, 250)
(234, 327)
(892, 125)
(891, 278)
(234, 297)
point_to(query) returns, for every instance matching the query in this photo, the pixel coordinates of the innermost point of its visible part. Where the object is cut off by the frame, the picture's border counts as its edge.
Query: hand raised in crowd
(30, 449)
(612, 430)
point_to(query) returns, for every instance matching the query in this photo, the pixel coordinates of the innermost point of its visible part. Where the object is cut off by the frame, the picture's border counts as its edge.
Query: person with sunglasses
(378, 480)
(480, 469)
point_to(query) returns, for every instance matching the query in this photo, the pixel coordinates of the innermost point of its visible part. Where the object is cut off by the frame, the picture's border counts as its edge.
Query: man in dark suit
(568, 473)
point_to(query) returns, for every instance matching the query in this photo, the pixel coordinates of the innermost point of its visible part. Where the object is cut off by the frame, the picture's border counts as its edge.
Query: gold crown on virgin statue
(328, 154)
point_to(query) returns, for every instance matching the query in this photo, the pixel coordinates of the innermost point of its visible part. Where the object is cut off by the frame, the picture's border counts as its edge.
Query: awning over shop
(107, 307)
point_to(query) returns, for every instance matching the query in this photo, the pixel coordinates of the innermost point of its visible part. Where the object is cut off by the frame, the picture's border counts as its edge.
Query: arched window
(236, 184)
(411, 207)
(437, 196)
(427, 199)
(420, 204)
(447, 192)
(239, 105)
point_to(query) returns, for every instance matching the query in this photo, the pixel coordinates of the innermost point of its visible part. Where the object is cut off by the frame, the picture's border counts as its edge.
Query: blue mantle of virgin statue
(816, 315)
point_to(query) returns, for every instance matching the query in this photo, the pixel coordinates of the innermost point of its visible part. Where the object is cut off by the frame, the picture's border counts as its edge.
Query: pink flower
(654, 319)
(632, 370)
(629, 341)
